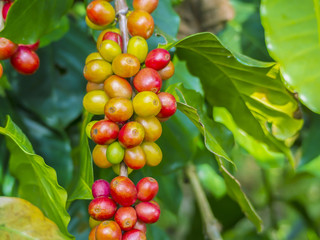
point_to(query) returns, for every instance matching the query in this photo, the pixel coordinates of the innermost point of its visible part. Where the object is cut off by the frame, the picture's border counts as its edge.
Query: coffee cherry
(145, 5)
(101, 35)
(131, 135)
(25, 61)
(108, 230)
(140, 23)
(118, 109)
(168, 105)
(89, 127)
(116, 86)
(109, 50)
(146, 104)
(147, 189)
(167, 72)
(126, 218)
(94, 26)
(94, 101)
(7, 48)
(1, 70)
(93, 223)
(99, 156)
(123, 191)
(125, 65)
(155, 203)
(102, 208)
(116, 169)
(116, 37)
(104, 132)
(152, 128)
(100, 12)
(92, 234)
(135, 158)
(97, 71)
(5, 9)
(153, 153)
(93, 86)
(138, 47)
(33, 47)
(140, 226)
(148, 212)
(115, 153)
(158, 59)
(100, 188)
(134, 234)
(93, 56)
(148, 79)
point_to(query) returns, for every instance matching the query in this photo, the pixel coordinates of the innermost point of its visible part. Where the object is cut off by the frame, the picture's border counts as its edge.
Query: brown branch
(121, 11)
(1, 18)
(212, 226)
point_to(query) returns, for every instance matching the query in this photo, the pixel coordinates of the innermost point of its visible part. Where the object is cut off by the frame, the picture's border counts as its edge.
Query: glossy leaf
(19, 219)
(83, 171)
(187, 101)
(250, 90)
(292, 35)
(25, 25)
(38, 181)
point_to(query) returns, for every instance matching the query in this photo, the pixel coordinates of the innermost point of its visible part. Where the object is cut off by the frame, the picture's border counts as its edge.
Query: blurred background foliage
(237, 124)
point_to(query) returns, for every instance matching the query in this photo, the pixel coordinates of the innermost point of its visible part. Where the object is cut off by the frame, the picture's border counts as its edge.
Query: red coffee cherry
(100, 188)
(33, 47)
(100, 12)
(104, 132)
(134, 234)
(167, 72)
(140, 226)
(123, 191)
(155, 203)
(116, 37)
(140, 23)
(148, 212)
(116, 86)
(126, 65)
(168, 105)
(92, 234)
(145, 5)
(7, 48)
(135, 158)
(5, 9)
(108, 230)
(25, 61)
(147, 189)
(126, 217)
(152, 128)
(131, 134)
(148, 79)
(102, 208)
(158, 59)
(118, 109)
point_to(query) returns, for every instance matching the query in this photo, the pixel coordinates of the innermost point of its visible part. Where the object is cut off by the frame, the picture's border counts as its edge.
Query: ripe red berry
(126, 217)
(108, 230)
(25, 61)
(123, 191)
(148, 212)
(5, 9)
(104, 132)
(116, 37)
(158, 59)
(33, 47)
(148, 79)
(100, 188)
(131, 134)
(146, 5)
(140, 226)
(134, 234)
(102, 208)
(135, 158)
(7, 48)
(168, 105)
(147, 189)
(100, 12)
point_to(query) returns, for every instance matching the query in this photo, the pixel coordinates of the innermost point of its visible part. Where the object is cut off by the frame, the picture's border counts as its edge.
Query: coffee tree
(113, 126)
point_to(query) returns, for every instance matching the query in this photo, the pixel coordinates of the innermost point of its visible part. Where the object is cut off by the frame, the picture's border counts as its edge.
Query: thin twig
(212, 226)
(1, 18)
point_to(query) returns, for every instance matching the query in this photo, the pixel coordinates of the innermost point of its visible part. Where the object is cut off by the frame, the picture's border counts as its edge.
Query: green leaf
(38, 181)
(250, 90)
(292, 34)
(187, 101)
(21, 220)
(82, 180)
(28, 21)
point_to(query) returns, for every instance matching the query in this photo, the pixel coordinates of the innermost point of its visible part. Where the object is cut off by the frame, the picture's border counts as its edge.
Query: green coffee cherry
(115, 153)
(88, 128)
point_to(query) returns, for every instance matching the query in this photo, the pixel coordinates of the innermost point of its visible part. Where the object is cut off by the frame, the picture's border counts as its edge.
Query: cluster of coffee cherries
(125, 213)
(23, 57)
